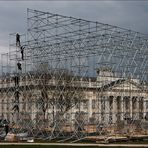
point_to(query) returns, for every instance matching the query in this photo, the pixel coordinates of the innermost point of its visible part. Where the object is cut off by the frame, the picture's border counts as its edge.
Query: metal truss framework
(67, 85)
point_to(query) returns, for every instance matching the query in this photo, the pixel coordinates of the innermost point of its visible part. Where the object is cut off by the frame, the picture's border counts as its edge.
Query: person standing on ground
(6, 129)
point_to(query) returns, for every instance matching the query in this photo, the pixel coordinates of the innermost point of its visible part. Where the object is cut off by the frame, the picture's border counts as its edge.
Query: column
(137, 108)
(110, 109)
(33, 108)
(140, 108)
(99, 109)
(130, 107)
(106, 117)
(127, 107)
(114, 109)
(0, 106)
(144, 107)
(90, 107)
(119, 108)
(122, 108)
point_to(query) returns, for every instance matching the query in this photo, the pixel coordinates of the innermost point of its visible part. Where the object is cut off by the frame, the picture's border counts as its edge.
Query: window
(2, 104)
(67, 117)
(102, 105)
(111, 102)
(24, 105)
(77, 106)
(110, 118)
(146, 104)
(85, 104)
(134, 102)
(93, 104)
(29, 105)
(50, 116)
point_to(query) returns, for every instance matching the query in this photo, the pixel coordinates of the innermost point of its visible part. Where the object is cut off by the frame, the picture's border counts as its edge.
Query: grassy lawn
(48, 146)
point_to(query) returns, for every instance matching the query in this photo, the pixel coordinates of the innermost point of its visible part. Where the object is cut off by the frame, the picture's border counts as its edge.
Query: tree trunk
(53, 116)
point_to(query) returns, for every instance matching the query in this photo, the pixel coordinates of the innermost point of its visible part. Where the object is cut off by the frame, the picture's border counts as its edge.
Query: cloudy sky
(129, 14)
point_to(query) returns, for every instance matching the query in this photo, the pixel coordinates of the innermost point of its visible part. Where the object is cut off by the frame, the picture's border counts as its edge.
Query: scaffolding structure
(70, 78)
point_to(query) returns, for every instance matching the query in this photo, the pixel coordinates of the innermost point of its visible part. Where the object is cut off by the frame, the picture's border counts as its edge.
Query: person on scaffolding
(22, 52)
(16, 106)
(17, 39)
(19, 66)
(16, 80)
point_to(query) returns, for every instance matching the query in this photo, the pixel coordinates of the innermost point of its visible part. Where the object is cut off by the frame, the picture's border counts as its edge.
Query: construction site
(69, 79)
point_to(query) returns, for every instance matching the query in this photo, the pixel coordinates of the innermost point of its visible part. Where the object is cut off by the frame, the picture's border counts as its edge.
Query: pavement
(78, 144)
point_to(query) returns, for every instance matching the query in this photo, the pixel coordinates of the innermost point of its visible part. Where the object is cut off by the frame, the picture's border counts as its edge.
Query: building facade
(104, 101)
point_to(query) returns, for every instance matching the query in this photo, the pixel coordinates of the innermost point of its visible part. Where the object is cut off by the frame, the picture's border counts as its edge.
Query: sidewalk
(72, 144)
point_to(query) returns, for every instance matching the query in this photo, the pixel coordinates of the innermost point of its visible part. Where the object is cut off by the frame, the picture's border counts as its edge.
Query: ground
(68, 145)
(55, 146)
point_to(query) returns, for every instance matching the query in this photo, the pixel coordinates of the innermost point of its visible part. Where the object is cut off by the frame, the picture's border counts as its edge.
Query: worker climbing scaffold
(17, 40)
(15, 107)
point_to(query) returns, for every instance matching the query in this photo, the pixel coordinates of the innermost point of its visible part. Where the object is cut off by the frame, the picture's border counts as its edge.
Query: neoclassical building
(104, 100)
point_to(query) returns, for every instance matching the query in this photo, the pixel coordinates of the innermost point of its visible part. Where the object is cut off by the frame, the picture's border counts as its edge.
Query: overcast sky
(130, 14)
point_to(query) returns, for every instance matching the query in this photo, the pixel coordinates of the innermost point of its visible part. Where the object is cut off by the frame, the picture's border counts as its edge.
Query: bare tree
(43, 100)
(63, 95)
(66, 94)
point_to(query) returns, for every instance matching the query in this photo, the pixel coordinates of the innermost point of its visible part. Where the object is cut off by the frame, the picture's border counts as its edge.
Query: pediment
(127, 85)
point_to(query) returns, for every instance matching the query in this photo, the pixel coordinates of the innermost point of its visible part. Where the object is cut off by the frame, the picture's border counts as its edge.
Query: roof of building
(117, 83)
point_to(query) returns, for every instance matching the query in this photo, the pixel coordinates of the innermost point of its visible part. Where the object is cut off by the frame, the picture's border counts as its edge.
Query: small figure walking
(17, 39)
(6, 129)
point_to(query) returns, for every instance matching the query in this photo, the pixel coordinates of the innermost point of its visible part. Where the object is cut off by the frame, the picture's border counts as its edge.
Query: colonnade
(112, 109)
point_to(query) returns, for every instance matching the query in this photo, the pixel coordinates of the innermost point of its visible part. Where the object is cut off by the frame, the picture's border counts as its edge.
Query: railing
(50, 82)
